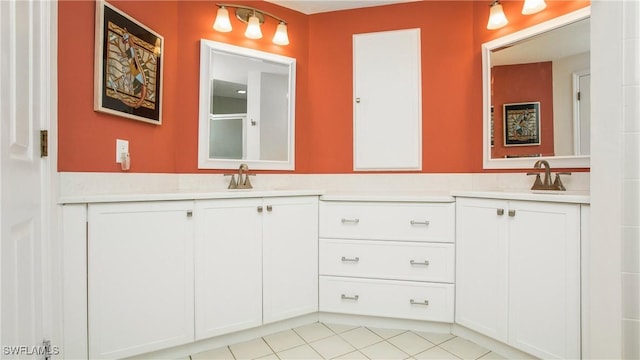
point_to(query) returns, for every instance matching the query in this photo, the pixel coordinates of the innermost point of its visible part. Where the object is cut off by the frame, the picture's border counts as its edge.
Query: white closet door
(387, 101)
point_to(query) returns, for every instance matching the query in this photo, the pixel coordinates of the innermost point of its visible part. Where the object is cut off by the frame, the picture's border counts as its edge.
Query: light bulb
(222, 22)
(533, 6)
(253, 28)
(497, 19)
(281, 37)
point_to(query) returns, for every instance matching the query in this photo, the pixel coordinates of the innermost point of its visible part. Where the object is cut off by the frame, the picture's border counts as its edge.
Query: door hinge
(44, 143)
(578, 95)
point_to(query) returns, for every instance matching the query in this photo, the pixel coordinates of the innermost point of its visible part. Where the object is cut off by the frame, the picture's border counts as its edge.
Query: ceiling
(319, 6)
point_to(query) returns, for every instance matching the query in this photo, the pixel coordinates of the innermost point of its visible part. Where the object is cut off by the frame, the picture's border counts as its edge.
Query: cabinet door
(544, 279)
(481, 266)
(290, 278)
(228, 266)
(387, 100)
(140, 277)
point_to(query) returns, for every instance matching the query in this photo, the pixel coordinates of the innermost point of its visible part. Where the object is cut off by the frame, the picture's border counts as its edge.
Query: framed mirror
(536, 98)
(246, 115)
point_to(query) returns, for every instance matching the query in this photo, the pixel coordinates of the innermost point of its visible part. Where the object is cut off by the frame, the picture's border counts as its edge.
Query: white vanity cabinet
(518, 273)
(256, 262)
(139, 277)
(149, 274)
(389, 259)
(228, 266)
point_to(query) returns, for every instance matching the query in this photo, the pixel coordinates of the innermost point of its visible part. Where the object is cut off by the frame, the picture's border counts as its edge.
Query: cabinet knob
(189, 213)
(357, 100)
(345, 297)
(269, 208)
(512, 213)
(259, 209)
(500, 212)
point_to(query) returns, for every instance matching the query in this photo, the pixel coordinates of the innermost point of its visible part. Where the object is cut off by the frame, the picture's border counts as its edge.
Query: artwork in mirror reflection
(249, 116)
(553, 70)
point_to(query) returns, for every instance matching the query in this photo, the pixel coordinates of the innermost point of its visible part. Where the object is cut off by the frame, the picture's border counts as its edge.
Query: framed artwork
(521, 124)
(128, 66)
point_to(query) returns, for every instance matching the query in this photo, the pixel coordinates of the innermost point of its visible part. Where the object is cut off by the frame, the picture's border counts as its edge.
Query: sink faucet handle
(538, 183)
(232, 184)
(557, 183)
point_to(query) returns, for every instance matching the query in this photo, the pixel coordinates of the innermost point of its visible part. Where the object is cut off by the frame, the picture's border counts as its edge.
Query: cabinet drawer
(433, 222)
(387, 298)
(387, 260)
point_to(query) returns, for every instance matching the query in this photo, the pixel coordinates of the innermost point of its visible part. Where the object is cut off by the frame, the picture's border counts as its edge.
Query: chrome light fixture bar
(253, 18)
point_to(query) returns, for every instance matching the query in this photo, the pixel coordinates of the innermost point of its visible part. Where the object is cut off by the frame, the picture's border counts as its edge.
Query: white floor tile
(251, 349)
(222, 353)
(436, 353)
(283, 340)
(384, 350)
(361, 337)
(436, 338)
(387, 333)
(493, 356)
(304, 352)
(356, 355)
(340, 328)
(411, 343)
(313, 332)
(269, 357)
(464, 349)
(332, 347)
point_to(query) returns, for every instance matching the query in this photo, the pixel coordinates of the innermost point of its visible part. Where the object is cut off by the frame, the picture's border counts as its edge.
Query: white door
(481, 266)
(290, 256)
(139, 277)
(544, 279)
(228, 266)
(387, 126)
(25, 93)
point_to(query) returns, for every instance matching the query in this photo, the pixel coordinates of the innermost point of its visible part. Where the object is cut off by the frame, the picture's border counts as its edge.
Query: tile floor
(330, 341)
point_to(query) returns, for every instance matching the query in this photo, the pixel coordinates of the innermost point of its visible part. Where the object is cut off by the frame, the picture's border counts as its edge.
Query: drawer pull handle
(413, 302)
(425, 263)
(350, 221)
(345, 297)
(415, 222)
(346, 259)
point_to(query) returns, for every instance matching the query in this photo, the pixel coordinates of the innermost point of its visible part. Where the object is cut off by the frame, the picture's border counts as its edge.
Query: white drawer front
(387, 298)
(433, 222)
(388, 260)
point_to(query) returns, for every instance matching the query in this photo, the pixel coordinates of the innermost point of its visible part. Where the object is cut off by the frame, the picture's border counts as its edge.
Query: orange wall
(520, 84)
(452, 32)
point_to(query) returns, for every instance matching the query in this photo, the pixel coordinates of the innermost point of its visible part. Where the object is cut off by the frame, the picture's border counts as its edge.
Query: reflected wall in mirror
(246, 108)
(548, 64)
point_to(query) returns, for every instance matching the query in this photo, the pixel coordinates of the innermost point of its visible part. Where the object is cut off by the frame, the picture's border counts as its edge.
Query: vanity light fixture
(497, 19)
(253, 18)
(533, 6)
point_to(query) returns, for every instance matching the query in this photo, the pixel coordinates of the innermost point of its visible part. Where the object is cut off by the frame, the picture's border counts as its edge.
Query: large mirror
(536, 95)
(246, 108)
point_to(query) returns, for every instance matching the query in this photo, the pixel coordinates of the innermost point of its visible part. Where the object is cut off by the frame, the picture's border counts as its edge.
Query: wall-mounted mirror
(247, 113)
(536, 95)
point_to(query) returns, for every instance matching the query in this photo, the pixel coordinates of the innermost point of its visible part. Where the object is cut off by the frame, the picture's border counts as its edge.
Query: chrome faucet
(546, 184)
(243, 178)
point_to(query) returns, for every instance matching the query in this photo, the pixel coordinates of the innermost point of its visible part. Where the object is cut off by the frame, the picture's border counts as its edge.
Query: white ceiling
(319, 6)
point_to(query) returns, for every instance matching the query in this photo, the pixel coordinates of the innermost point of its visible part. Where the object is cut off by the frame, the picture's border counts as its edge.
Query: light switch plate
(122, 147)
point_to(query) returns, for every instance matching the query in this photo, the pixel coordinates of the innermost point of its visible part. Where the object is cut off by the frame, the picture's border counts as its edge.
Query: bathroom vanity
(182, 271)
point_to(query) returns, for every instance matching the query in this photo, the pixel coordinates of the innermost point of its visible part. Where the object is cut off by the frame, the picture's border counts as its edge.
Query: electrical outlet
(122, 147)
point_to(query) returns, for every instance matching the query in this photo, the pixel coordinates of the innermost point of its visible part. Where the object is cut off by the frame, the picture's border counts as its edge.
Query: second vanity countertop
(526, 195)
